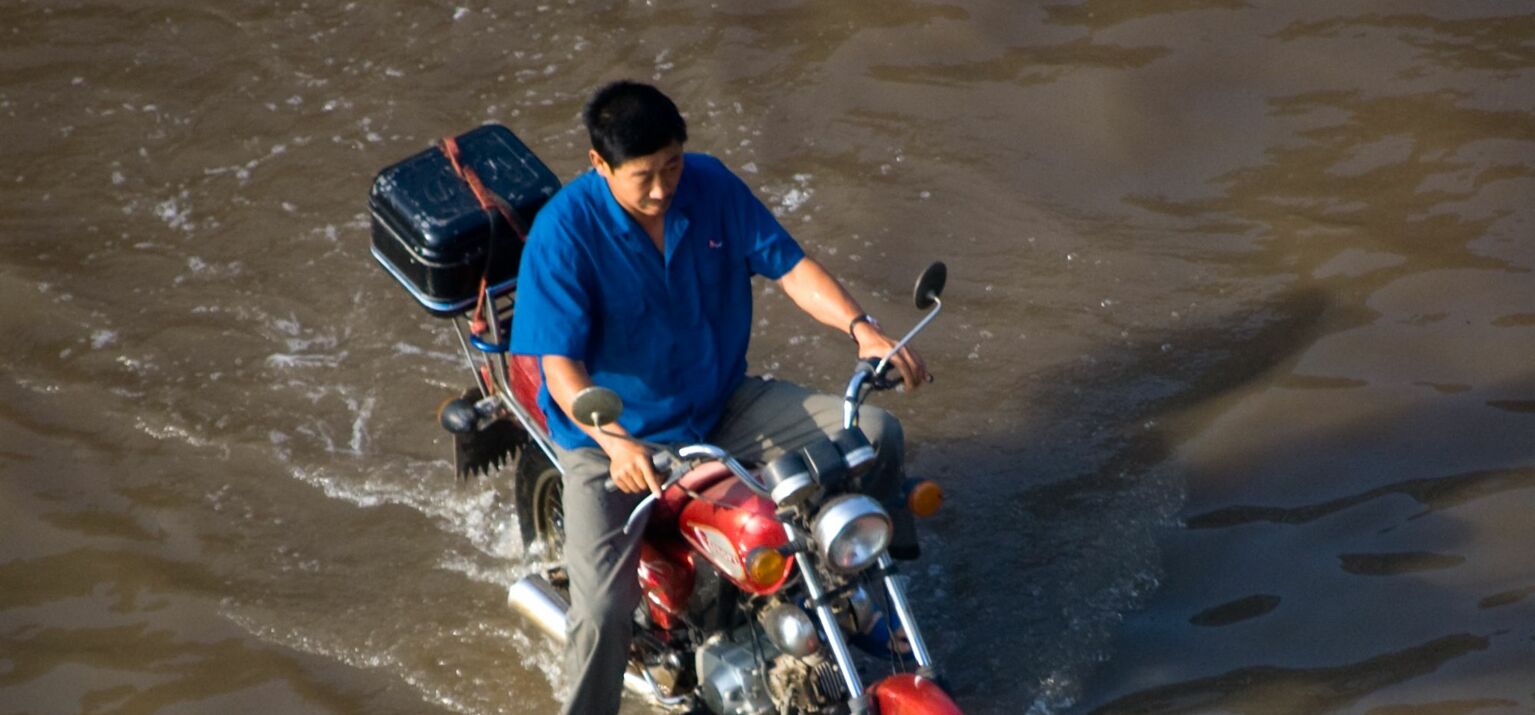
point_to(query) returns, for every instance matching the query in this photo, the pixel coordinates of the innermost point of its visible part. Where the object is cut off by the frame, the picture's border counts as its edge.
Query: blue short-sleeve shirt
(667, 333)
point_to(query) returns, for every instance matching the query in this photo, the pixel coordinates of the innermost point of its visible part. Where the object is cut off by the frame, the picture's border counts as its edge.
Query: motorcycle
(766, 588)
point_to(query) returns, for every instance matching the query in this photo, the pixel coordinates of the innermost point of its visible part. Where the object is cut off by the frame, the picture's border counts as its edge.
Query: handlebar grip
(883, 381)
(660, 460)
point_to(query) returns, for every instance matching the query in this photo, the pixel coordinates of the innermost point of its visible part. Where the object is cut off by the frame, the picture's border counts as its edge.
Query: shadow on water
(1356, 594)
(1302, 652)
(1084, 552)
(1071, 507)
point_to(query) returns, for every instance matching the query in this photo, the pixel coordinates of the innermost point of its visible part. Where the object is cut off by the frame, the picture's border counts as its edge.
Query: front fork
(903, 612)
(858, 699)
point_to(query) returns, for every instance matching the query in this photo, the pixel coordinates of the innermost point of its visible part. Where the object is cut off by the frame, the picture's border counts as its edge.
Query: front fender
(908, 694)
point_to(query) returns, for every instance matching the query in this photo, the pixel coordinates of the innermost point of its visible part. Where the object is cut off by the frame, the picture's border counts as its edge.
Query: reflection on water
(1101, 14)
(1436, 493)
(1025, 65)
(1393, 175)
(1234, 396)
(1476, 43)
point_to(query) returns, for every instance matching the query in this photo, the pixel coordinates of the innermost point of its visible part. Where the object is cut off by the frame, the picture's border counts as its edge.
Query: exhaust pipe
(540, 603)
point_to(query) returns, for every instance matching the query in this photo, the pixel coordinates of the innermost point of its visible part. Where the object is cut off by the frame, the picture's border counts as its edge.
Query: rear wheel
(540, 505)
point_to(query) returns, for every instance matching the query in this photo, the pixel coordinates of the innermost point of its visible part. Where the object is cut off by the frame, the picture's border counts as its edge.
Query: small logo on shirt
(715, 244)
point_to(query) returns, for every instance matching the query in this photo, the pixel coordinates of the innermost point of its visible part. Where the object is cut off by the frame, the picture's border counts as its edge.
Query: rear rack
(492, 368)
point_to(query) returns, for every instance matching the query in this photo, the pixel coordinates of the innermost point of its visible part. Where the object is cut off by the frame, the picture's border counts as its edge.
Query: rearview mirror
(930, 285)
(596, 406)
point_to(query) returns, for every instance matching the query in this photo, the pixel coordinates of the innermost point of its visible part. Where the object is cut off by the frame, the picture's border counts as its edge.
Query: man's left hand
(874, 343)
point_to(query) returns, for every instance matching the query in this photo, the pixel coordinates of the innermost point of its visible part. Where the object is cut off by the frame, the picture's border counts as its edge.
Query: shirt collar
(618, 221)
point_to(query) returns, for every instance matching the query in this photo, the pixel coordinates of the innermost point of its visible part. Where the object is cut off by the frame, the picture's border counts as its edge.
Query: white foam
(102, 338)
(488, 524)
(174, 214)
(794, 199)
(171, 432)
(359, 425)
(287, 360)
(403, 348)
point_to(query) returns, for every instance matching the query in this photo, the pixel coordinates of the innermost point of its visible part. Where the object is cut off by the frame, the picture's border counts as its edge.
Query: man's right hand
(630, 467)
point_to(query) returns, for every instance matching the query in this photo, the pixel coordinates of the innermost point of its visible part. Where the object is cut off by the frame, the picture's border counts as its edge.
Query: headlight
(852, 531)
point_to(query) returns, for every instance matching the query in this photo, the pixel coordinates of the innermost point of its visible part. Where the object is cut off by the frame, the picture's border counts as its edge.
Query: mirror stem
(937, 306)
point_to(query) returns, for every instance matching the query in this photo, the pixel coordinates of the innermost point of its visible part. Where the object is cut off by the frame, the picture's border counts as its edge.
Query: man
(637, 276)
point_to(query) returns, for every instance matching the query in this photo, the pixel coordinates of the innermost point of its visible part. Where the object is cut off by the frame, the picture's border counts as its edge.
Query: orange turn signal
(924, 498)
(764, 566)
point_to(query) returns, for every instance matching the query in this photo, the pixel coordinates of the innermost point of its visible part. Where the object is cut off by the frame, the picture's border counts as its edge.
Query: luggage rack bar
(495, 364)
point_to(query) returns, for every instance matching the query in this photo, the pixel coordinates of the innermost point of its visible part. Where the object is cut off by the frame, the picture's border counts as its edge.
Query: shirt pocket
(713, 265)
(624, 322)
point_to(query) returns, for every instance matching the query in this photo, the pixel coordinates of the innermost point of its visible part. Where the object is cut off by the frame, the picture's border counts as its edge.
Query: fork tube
(904, 612)
(828, 621)
(850, 399)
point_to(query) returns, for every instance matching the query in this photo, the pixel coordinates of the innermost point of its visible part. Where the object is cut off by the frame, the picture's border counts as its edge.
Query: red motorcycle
(766, 589)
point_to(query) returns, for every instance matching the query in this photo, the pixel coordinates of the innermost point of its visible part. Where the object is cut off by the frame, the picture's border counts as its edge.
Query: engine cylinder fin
(828, 682)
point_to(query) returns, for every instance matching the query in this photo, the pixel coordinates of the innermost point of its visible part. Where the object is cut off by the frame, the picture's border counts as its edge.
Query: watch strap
(861, 318)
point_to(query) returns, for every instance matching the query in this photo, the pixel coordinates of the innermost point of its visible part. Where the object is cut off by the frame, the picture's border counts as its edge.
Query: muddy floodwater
(1235, 398)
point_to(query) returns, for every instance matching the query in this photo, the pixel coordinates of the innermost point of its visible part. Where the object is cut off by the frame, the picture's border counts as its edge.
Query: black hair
(629, 119)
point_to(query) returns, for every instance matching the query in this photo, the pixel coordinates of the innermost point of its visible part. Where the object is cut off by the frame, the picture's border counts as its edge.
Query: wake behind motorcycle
(767, 588)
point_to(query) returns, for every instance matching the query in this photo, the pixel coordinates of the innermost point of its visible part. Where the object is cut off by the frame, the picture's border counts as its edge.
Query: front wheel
(540, 505)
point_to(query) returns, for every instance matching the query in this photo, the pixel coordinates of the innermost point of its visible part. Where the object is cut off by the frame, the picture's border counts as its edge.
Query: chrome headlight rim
(851, 531)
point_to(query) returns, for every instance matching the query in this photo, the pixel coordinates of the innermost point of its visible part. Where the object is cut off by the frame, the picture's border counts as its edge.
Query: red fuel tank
(725, 524)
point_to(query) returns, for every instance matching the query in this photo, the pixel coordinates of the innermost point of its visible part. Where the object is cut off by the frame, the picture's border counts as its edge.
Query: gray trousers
(763, 419)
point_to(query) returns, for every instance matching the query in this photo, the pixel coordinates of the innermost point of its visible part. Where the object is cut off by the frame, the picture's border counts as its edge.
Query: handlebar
(676, 468)
(642, 509)
(873, 372)
(868, 371)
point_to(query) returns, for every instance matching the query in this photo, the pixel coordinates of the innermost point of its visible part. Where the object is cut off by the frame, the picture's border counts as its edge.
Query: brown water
(1235, 402)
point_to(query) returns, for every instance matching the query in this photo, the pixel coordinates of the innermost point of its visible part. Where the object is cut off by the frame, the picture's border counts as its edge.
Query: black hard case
(430, 232)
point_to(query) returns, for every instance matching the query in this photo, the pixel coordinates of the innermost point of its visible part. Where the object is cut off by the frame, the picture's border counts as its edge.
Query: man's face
(644, 185)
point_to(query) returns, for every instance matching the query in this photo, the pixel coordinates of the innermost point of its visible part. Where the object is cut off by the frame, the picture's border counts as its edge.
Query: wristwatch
(862, 318)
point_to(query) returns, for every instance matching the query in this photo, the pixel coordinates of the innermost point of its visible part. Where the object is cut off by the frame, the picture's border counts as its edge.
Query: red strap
(487, 201)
